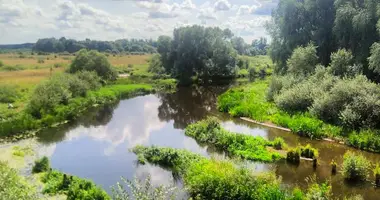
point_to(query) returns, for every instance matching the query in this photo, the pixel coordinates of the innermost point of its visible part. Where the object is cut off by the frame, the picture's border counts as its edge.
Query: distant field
(26, 71)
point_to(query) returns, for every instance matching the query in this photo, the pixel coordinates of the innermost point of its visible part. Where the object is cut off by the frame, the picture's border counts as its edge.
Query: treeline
(330, 25)
(53, 45)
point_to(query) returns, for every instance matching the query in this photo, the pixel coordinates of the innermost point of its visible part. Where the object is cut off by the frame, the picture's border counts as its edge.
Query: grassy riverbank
(209, 131)
(24, 121)
(250, 101)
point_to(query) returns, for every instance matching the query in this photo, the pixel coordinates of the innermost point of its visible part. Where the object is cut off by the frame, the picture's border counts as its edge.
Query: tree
(239, 44)
(341, 62)
(374, 59)
(303, 60)
(93, 61)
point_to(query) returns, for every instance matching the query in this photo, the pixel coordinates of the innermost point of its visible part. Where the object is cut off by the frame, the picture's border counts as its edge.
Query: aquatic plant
(333, 167)
(41, 165)
(279, 143)
(293, 155)
(355, 167)
(209, 131)
(376, 173)
(308, 151)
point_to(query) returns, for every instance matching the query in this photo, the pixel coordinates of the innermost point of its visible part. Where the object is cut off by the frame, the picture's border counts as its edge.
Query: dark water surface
(97, 145)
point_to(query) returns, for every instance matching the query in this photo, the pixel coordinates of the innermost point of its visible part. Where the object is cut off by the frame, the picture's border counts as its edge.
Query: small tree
(341, 62)
(303, 60)
(93, 61)
(374, 59)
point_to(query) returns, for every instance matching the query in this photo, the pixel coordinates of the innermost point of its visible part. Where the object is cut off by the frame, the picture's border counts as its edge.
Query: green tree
(341, 62)
(93, 61)
(303, 60)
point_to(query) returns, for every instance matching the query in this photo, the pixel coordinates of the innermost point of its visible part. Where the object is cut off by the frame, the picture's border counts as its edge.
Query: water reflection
(96, 145)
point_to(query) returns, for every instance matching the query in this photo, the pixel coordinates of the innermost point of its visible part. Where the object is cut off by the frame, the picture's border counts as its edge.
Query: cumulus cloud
(222, 5)
(207, 14)
(244, 9)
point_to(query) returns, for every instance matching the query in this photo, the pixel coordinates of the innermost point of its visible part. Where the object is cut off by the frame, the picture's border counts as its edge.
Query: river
(96, 146)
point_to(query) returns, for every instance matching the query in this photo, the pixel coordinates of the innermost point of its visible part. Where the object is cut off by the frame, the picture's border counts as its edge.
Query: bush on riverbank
(41, 165)
(355, 167)
(209, 131)
(13, 186)
(56, 182)
(368, 140)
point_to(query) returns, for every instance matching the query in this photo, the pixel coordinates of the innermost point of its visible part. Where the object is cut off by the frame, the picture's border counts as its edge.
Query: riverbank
(24, 123)
(249, 103)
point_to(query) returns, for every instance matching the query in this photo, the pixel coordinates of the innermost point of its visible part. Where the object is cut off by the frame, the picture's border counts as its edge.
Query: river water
(97, 145)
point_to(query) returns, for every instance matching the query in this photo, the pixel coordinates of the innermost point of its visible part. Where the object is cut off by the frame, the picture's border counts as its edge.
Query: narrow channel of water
(96, 145)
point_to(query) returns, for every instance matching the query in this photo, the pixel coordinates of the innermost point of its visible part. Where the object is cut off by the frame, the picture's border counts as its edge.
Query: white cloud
(222, 5)
(207, 14)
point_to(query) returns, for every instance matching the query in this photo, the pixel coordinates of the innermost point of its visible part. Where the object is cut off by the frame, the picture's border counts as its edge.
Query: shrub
(355, 167)
(91, 79)
(1, 64)
(142, 190)
(280, 82)
(8, 93)
(75, 188)
(365, 140)
(41, 165)
(303, 60)
(155, 65)
(319, 192)
(13, 186)
(374, 59)
(293, 155)
(252, 74)
(376, 174)
(93, 61)
(308, 151)
(297, 98)
(58, 65)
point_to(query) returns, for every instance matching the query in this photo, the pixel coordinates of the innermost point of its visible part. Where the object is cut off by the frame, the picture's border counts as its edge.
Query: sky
(28, 20)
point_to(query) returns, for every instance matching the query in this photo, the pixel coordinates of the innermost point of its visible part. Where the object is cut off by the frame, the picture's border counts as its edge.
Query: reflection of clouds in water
(193, 146)
(45, 150)
(158, 175)
(231, 126)
(133, 122)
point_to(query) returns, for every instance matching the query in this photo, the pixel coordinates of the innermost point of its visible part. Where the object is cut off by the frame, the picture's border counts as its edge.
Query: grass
(56, 182)
(209, 131)
(250, 101)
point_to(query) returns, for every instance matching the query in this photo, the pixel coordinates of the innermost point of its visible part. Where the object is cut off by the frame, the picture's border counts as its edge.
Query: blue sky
(27, 20)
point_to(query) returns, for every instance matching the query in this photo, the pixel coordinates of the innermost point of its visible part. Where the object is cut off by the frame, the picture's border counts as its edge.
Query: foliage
(279, 143)
(92, 61)
(1, 63)
(209, 131)
(341, 62)
(74, 187)
(13, 186)
(308, 151)
(293, 155)
(330, 25)
(355, 167)
(368, 140)
(41, 165)
(222, 180)
(155, 65)
(319, 192)
(374, 59)
(138, 189)
(8, 93)
(303, 60)
(186, 55)
(69, 45)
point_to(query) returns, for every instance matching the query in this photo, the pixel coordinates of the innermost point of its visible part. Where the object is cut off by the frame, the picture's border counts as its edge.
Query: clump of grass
(56, 182)
(279, 143)
(293, 155)
(22, 151)
(368, 140)
(248, 147)
(355, 167)
(41, 165)
(8, 93)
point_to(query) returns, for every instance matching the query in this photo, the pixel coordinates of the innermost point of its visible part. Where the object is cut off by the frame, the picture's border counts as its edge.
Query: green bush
(13, 186)
(308, 151)
(341, 62)
(155, 65)
(279, 143)
(303, 60)
(297, 98)
(41, 165)
(293, 155)
(209, 131)
(40, 60)
(374, 59)
(93, 61)
(319, 192)
(8, 93)
(355, 167)
(75, 188)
